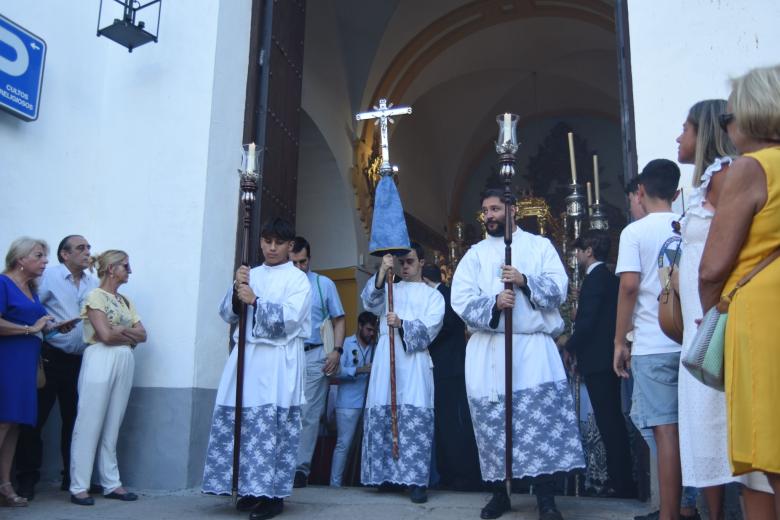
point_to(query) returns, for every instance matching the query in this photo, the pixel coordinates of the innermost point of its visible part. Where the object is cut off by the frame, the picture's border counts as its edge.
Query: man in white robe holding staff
(278, 296)
(545, 437)
(414, 320)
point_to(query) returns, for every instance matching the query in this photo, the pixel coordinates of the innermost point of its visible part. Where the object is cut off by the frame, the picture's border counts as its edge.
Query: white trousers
(104, 387)
(346, 424)
(315, 391)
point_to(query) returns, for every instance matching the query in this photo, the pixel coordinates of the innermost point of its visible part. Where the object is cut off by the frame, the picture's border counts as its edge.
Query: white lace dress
(702, 410)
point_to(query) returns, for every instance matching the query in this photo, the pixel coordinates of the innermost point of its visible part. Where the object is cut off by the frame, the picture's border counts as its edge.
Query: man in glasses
(62, 290)
(414, 322)
(353, 380)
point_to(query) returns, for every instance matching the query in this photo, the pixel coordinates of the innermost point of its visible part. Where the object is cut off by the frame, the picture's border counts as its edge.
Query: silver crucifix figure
(383, 113)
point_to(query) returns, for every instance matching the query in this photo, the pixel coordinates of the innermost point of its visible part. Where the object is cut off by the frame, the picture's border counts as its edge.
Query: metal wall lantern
(127, 31)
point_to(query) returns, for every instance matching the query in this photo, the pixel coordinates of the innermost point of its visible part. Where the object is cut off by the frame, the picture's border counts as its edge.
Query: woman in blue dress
(22, 320)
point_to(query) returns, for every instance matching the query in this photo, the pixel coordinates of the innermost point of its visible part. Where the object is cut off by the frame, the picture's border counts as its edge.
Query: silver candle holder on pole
(249, 174)
(506, 148)
(576, 212)
(598, 219)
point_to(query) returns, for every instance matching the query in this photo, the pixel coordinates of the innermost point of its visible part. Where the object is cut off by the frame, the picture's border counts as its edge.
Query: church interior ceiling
(459, 63)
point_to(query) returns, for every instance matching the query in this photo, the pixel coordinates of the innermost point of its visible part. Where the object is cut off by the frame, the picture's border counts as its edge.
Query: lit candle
(250, 158)
(507, 128)
(590, 199)
(596, 176)
(571, 159)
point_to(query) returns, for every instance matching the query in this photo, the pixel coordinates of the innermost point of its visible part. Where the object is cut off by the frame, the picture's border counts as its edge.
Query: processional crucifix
(388, 231)
(383, 113)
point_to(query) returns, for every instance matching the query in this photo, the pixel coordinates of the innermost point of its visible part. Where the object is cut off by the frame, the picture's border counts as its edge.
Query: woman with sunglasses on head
(702, 410)
(111, 328)
(745, 232)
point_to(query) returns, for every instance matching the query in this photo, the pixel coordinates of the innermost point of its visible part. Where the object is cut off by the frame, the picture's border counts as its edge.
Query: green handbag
(705, 357)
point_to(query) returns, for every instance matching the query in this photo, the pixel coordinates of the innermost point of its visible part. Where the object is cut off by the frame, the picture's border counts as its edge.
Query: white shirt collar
(592, 266)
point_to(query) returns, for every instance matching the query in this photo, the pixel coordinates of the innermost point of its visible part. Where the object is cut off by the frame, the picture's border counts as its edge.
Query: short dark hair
(432, 273)
(366, 317)
(494, 192)
(300, 244)
(417, 249)
(596, 239)
(660, 178)
(632, 186)
(64, 246)
(279, 228)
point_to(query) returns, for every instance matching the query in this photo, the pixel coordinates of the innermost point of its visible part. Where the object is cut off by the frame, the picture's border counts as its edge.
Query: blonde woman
(22, 319)
(744, 233)
(111, 329)
(702, 410)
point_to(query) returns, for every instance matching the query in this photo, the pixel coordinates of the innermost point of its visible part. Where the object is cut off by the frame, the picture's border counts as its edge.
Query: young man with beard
(418, 312)
(545, 437)
(278, 296)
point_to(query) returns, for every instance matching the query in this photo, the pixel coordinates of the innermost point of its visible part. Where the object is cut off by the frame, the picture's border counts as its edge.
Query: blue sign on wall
(22, 55)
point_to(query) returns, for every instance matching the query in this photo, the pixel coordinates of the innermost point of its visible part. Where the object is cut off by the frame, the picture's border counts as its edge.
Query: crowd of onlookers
(68, 336)
(720, 252)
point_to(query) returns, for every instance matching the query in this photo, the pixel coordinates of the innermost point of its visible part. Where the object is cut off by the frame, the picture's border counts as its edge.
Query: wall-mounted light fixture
(127, 30)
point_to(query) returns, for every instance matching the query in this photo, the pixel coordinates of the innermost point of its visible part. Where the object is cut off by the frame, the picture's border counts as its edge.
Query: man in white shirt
(646, 246)
(62, 289)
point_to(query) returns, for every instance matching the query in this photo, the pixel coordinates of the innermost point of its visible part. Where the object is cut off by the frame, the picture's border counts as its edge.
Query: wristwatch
(340, 350)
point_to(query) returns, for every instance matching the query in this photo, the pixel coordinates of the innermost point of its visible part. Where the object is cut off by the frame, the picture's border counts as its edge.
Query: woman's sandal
(12, 499)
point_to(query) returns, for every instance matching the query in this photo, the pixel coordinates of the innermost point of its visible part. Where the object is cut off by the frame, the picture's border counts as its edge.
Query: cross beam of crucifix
(383, 113)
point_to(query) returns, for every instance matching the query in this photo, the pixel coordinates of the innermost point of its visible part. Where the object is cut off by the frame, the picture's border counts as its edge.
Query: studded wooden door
(273, 107)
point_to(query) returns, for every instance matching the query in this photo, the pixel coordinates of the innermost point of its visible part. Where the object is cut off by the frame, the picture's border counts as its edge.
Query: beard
(498, 231)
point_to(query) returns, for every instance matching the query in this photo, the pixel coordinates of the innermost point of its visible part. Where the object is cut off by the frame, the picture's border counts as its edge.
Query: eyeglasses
(126, 266)
(724, 120)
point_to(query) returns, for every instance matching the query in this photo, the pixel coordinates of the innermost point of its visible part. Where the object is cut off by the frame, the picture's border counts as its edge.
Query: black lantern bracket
(128, 31)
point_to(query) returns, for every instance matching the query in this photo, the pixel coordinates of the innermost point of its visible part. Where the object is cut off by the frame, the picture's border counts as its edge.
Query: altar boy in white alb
(278, 320)
(416, 320)
(545, 438)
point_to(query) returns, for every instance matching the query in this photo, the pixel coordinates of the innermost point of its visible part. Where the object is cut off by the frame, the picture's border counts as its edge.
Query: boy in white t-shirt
(646, 246)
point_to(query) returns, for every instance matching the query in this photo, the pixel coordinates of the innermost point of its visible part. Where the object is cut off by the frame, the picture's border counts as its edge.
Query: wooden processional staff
(249, 179)
(388, 232)
(506, 148)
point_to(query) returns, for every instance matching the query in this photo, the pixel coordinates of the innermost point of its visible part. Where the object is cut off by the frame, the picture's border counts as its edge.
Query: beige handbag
(327, 335)
(670, 316)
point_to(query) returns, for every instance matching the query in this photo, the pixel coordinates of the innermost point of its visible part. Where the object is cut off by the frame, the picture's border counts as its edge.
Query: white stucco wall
(138, 152)
(683, 51)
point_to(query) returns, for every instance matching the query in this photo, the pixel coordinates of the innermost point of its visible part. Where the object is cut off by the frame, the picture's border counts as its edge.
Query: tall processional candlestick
(576, 212)
(250, 175)
(598, 219)
(506, 148)
(389, 234)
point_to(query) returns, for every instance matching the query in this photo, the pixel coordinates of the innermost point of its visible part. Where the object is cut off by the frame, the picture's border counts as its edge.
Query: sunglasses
(724, 120)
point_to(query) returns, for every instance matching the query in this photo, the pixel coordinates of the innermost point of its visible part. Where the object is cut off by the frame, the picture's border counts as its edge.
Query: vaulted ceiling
(461, 62)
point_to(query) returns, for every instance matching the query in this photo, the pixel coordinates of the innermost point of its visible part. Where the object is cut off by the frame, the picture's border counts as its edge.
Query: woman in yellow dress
(745, 231)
